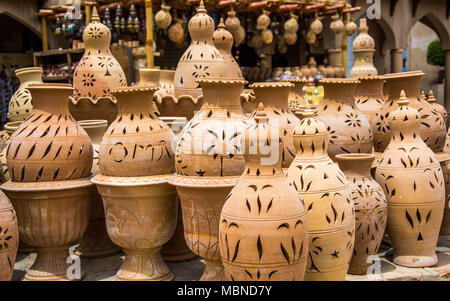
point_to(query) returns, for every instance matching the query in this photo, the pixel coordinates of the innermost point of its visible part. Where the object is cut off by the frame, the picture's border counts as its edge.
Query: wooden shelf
(59, 52)
(56, 78)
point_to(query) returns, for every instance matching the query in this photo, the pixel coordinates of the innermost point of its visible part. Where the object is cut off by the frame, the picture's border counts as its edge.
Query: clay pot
(223, 40)
(232, 22)
(9, 238)
(20, 104)
(432, 129)
(348, 128)
(323, 70)
(95, 242)
(412, 180)
(263, 20)
(290, 38)
(263, 228)
(445, 227)
(336, 25)
(296, 99)
(369, 96)
(239, 36)
(339, 71)
(163, 19)
(439, 108)
(176, 32)
(291, 25)
(208, 163)
(10, 128)
(274, 96)
(313, 66)
(135, 161)
(96, 74)
(328, 202)
(351, 27)
(306, 71)
(201, 59)
(267, 36)
(370, 209)
(331, 72)
(316, 26)
(363, 50)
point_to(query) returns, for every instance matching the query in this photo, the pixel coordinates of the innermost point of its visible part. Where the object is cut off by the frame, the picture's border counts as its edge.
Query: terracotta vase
(370, 209)
(350, 27)
(336, 25)
(49, 157)
(232, 22)
(95, 242)
(438, 107)
(223, 40)
(20, 104)
(135, 161)
(313, 66)
(331, 72)
(296, 99)
(432, 129)
(176, 32)
(163, 17)
(208, 162)
(201, 59)
(291, 25)
(316, 26)
(328, 202)
(263, 228)
(263, 20)
(96, 74)
(274, 96)
(311, 38)
(363, 50)
(9, 238)
(412, 180)
(369, 96)
(290, 38)
(349, 130)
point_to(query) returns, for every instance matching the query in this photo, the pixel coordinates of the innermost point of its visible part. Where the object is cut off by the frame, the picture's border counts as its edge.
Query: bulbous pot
(369, 96)
(9, 238)
(370, 209)
(52, 216)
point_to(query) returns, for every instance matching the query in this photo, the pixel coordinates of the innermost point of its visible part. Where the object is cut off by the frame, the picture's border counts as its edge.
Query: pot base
(179, 257)
(338, 275)
(213, 271)
(412, 261)
(145, 265)
(95, 242)
(358, 270)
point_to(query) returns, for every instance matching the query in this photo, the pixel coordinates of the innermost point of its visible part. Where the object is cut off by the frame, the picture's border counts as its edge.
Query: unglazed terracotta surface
(208, 162)
(370, 209)
(445, 227)
(9, 238)
(274, 96)
(441, 110)
(363, 50)
(328, 201)
(20, 104)
(263, 227)
(96, 74)
(296, 99)
(432, 127)
(348, 128)
(412, 180)
(49, 145)
(223, 40)
(369, 96)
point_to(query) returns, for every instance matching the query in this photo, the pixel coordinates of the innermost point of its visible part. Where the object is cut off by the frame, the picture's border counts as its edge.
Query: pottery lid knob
(431, 97)
(201, 8)
(95, 17)
(403, 100)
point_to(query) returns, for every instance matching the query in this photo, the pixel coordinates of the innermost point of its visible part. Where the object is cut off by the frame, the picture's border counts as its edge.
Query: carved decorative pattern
(9, 238)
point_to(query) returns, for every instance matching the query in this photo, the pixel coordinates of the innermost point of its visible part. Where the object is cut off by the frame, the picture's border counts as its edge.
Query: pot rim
(92, 123)
(282, 84)
(12, 125)
(45, 186)
(404, 74)
(354, 156)
(27, 70)
(203, 182)
(130, 181)
(53, 86)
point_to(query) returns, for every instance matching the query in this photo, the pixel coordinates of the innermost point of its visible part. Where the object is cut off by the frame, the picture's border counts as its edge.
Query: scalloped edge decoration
(222, 80)
(272, 85)
(46, 186)
(130, 181)
(369, 77)
(76, 101)
(203, 182)
(340, 81)
(144, 88)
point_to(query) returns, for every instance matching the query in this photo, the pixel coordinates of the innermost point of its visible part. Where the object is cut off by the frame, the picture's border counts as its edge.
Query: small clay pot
(163, 19)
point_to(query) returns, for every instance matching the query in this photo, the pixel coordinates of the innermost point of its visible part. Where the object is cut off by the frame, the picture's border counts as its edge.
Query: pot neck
(410, 84)
(134, 100)
(30, 76)
(340, 92)
(222, 93)
(370, 87)
(355, 165)
(51, 98)
(273, 95)
(95, 129)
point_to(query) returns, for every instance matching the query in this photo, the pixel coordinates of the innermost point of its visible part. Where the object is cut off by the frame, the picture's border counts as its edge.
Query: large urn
(135, 161)
(208, 162)
(96, 74)
(328, 202)
(369, 96)
(263, 228)
(49, 158)
(412, 180)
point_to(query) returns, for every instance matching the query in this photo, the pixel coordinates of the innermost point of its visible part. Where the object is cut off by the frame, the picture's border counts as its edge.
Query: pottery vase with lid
(208, 162)
(363, 50)
(9, 238)
(263, 227)
(20, 104)
(432, 127)
(49, 158)
(274, 96)
(348, 127)
(370, 209)
(412, 180)
(328, 202)
(201, 59)
(223, 40)
(369, 96)
(95, 75)
(135, 161)
(95, 241)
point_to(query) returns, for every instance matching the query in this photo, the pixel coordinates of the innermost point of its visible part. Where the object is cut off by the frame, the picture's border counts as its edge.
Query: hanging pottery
(291, 25)
(263, 227)
(208, 163)
(328, 202)
(350, 27)
(232, 23)
(9, 238)
(311, 38)
(20, 104)
(316, 26)
(201, 59)
(135, 161)
(275, 96)
(363, 50)
(263, 20)
(370, 209)
(163, 19)
(256, 41)
(95, 75)
(369, 96)
(337, 26)
(176, 31)
(348, 128)
(49, 159)
(412, 180)
(290, 38)
(239, 36)
(223, 40)
(432, 128)
(267, 36)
